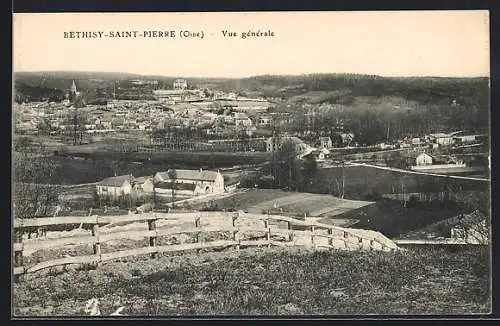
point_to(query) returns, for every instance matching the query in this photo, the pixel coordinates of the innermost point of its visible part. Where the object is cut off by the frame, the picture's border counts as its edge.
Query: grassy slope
(362, 181)
(270, 281)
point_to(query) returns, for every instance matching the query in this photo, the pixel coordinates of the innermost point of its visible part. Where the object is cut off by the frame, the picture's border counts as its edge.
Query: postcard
(240, 164)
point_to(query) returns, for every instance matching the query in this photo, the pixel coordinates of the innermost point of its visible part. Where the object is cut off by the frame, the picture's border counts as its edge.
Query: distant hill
(422, 89)
(63, 79)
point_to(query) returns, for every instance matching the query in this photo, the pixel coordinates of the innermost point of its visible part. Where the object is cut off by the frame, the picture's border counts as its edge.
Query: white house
(325, 142)
(419, 159)
(423, 159)
(190, 182)
(415, 141)
(242, 119)
(115, 186)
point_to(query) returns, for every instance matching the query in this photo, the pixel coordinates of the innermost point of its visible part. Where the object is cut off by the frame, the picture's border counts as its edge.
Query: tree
(172, 176)
(287, 156)
(473, 228)
(77, 119)
(34, 193)
(309, 168)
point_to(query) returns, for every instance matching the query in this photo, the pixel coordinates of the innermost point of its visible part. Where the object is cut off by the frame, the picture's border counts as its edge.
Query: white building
(325, 142)
(423, 159)
(190, 182)
(115, 186)
(180, 84)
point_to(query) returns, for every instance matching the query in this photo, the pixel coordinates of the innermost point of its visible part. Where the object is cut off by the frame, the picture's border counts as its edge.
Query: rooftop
(189, 175)
(117, 181)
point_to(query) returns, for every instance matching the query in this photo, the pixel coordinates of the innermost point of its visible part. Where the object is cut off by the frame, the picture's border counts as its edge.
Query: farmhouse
(419, 159)
(115, 186)
(190, 182)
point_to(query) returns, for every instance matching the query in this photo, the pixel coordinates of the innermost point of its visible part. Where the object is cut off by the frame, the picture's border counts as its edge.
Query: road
(421, 173)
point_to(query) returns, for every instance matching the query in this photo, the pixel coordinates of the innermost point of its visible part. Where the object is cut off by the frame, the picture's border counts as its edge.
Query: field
(270, 282)
(363, 182)
(392, 219)
(260, 201)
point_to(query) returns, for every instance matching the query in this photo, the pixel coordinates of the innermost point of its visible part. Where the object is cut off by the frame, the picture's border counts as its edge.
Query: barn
(419, 159)
(190, 182)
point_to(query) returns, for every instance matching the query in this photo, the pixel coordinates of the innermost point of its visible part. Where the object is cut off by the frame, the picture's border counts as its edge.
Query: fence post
(268, 231)
(97, 244)
(312, 236)
(197, 224)
(346, 235)
(18, 255)
(152, 239)
(290, 232)
(360, 242)
(330, 238)
(199, 235)
(234, 218)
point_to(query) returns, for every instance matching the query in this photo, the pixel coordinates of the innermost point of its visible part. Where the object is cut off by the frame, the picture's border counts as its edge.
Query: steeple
(73, 87)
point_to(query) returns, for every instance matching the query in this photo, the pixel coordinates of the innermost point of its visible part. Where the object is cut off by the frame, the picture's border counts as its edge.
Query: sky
(390, 43)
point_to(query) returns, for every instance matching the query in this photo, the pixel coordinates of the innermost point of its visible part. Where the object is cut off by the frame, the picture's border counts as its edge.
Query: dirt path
(421, 173)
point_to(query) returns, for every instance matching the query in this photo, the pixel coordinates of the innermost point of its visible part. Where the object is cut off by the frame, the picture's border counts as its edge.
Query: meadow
(270, 282)
(367, 183)
(298, 204)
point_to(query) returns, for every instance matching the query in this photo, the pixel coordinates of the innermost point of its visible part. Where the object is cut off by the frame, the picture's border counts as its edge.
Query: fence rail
(266, 234)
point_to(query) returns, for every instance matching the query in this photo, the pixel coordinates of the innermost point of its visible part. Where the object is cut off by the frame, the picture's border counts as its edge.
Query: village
(204, 120)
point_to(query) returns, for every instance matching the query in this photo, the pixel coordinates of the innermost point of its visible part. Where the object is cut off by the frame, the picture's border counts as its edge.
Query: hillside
(270, 282)
(338, 86)
(85, 80)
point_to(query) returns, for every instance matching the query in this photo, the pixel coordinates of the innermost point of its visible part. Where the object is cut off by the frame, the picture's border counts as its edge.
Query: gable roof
(178, 186)
(416, 154)
(189, 175)
(141, 180)
(116, 181)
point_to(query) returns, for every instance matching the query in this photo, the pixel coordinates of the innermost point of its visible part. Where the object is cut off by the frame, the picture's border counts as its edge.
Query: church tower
(73, 87)
(73, 92)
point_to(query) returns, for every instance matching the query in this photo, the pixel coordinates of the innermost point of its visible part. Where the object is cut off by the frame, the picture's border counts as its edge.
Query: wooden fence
(337, 237)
